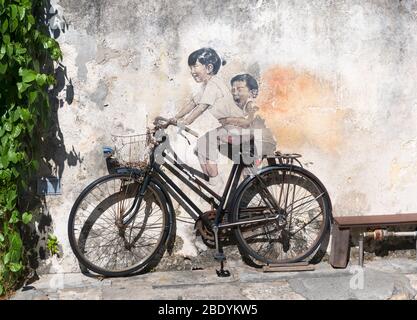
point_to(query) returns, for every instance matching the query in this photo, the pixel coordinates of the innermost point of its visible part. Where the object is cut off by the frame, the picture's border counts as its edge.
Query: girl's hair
(206, 56)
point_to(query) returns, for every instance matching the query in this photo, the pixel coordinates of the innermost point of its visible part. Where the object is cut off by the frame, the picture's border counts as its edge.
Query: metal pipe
(380, 234)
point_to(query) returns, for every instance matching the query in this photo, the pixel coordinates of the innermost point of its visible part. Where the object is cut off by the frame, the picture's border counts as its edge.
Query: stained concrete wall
(337, 79)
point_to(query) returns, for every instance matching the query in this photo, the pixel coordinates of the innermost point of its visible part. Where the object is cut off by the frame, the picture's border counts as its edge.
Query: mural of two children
(242, 134)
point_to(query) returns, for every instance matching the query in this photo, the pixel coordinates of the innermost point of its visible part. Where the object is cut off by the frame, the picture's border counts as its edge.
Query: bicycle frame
(188, 176)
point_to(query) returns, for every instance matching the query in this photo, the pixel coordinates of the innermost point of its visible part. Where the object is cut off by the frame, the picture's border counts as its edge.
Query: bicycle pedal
(222, 273)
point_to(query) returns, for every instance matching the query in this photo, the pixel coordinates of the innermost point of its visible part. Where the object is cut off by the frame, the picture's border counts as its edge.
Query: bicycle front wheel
(99, 238)
(292, 210)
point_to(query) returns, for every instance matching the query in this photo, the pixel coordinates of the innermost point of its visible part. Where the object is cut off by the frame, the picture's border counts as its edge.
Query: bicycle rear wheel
(100, 240)
(298, 211)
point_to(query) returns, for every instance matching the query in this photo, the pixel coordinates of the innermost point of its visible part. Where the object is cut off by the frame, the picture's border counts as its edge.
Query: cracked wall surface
(337, 84)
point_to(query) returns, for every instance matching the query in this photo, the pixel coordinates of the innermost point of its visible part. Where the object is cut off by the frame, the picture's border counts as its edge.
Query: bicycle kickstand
(219, 256)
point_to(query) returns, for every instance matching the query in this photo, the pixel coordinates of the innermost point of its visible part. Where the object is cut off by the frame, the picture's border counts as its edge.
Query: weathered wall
(338, 83)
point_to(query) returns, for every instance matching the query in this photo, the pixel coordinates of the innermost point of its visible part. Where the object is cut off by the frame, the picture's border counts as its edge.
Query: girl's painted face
(200, 72)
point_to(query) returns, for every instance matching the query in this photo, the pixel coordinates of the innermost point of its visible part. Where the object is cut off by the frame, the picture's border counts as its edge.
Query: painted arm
(195, 113)
(236, 121)
(186, 110)
(244, 122)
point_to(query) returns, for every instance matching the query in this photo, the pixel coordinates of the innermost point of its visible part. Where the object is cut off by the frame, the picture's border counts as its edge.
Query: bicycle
(124, 222)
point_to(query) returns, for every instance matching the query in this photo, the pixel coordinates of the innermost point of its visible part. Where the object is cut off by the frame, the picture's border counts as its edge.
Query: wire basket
(132, 150)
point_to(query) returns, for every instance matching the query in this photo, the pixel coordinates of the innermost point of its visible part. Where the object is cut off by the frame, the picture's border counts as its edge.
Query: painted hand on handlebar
(164, 123)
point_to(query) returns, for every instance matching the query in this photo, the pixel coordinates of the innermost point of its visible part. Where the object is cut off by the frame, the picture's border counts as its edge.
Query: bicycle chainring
(207, 235)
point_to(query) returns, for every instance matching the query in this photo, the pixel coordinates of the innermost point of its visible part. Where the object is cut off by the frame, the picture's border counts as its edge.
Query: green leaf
(14, 25)
(25, 114)
(26, 217)
(1, 237)
(10, 50)
(6, 39)
(22, 11)
(13, 11)
(16, 131)
(6, 258)
(14, 218)
(4, 161)
(41, 79)
(2, 51)
(8, 126)
(14, 157)
(1, 289)
(15, 267)
(4, 26)
(15, 245)
(21, 86)
(32, 96)
(27, 75)
(3, 68)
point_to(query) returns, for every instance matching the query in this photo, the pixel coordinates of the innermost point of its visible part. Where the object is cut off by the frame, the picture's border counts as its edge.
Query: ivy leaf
(4, 26)
(3, 68)
(15, 246)
(24, 114)
(16, 131)
(8, 126)
(13, 11)
(2, 51)
(13, 156)
(15, 267)
(26, 217)
(27, 75)
(9, 50)
(22, 11)
(32, 96)
(41, 79)
(4, 161)
(14, 25)
(6, 38)
(21, 86)
(6, 258)
(14, 218)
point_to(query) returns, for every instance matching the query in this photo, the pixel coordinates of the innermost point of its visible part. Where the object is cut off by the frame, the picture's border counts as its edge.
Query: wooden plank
(288, 268)
(340, 250)
(377, 220)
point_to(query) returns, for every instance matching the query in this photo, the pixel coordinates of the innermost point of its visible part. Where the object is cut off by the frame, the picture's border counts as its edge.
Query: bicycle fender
(248, 179)
(170, 241)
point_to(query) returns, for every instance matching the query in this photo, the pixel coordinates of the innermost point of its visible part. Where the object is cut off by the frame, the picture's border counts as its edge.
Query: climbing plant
(26, 52)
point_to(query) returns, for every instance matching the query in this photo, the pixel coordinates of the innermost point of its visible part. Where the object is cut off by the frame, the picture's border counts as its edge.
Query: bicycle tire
(78, 244)
(298, 177)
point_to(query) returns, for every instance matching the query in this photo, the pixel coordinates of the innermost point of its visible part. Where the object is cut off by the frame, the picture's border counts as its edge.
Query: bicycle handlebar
(168, 122)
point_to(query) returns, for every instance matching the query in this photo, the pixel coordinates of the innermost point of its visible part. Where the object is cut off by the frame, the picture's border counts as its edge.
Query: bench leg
(361, 254)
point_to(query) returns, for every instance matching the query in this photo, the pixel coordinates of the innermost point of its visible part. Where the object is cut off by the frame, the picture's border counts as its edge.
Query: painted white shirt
(217, 95)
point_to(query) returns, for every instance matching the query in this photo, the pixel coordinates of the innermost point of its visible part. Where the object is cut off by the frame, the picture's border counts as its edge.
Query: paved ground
(381, 278)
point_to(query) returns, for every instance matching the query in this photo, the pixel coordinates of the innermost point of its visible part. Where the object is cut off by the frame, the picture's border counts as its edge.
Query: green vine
(25, 47)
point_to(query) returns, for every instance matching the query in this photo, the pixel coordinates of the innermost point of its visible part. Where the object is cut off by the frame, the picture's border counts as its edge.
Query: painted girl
(215, 98)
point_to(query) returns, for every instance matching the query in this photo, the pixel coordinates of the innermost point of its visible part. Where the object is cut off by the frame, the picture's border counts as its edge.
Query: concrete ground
(380, 279)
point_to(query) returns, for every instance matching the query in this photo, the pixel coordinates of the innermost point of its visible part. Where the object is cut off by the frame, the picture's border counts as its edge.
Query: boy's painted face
(200, 72)
(241, 92)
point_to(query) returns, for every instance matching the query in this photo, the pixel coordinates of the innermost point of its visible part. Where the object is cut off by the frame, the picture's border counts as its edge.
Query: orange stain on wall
(301, 109)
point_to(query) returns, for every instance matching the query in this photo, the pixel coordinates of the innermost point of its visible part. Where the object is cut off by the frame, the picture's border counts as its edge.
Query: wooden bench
(342, 226)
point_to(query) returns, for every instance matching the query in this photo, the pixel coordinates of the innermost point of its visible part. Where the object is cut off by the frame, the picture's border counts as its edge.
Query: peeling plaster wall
(338, 85)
